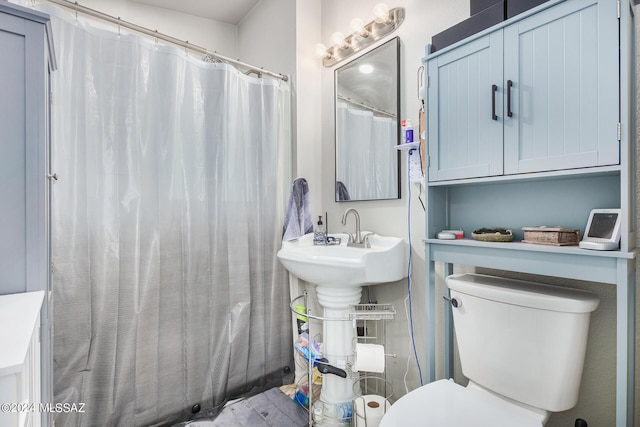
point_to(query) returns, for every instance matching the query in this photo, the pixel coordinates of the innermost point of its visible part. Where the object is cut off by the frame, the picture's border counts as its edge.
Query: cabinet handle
(53, 177)
(509, 84)
(494, 89)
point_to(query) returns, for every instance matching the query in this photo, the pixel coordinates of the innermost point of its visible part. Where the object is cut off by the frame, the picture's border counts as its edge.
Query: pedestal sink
(342, 265)
(340, 271)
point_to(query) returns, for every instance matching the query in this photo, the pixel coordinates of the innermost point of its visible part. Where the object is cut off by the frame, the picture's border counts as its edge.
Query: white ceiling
(229, 11)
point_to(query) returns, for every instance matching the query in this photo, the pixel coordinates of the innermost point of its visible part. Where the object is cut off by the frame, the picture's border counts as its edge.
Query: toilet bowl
(522, 347)
(444, 403)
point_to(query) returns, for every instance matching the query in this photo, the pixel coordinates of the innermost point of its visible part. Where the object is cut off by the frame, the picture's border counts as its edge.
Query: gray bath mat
(272, 408)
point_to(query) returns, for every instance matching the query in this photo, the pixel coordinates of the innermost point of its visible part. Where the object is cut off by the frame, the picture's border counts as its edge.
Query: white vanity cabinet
(20, 393)
(538, 94)
(28, 58)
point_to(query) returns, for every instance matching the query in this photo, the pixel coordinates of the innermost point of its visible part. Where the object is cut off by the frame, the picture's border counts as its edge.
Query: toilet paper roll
(369, 410)
(369, 357)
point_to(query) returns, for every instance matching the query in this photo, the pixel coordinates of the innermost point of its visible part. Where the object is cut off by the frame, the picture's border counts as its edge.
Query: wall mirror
(367, 107)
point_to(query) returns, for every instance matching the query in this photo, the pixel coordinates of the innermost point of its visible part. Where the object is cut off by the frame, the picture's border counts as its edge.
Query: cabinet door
(24, 263)
(465, 137)
(15, 153)
(563, 65)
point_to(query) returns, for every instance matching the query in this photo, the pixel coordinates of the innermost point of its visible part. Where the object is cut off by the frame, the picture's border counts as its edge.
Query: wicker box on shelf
(555, 236)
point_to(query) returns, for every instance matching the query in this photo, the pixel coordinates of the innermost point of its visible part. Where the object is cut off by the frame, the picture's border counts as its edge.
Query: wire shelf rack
(371, 312)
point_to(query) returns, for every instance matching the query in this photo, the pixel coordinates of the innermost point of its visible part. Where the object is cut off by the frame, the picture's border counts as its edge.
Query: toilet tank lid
(522, 293)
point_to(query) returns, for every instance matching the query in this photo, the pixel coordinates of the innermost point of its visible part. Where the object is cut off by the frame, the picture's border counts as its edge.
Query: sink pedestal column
(338, 341)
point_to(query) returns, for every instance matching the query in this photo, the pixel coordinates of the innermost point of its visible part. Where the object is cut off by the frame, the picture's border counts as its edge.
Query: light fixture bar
(357, 42)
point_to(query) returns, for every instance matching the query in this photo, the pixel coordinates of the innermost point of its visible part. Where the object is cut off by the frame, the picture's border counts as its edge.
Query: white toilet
(522, 347)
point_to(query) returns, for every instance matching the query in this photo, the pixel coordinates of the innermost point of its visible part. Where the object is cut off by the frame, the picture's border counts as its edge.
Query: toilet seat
(444, 403)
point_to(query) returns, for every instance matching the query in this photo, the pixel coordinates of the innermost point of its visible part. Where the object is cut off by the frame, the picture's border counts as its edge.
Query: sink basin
(342, 265)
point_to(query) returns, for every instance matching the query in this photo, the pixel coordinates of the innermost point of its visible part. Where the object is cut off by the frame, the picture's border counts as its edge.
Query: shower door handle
(52, 177)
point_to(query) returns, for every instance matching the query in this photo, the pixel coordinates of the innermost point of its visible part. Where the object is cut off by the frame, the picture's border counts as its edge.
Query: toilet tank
(523, 340)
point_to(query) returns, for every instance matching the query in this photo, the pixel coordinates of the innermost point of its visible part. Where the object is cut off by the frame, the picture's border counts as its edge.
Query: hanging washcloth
(297, 219)
(342, 193)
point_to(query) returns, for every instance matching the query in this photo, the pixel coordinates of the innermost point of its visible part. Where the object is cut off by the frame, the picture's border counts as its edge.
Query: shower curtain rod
(154, 33)
(373, 109)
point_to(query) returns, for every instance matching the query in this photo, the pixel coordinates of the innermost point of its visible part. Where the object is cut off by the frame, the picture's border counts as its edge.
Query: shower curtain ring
(118, 26)
(76, 3)
(156, 38)
(186, 52)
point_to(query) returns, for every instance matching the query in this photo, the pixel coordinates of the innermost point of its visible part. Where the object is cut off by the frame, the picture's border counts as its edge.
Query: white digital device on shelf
(603, 230)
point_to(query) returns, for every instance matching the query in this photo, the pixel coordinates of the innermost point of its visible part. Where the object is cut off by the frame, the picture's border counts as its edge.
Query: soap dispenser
(320, 233)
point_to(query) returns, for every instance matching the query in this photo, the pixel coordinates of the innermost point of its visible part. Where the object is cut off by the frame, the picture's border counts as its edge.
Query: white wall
(267, 36)
(389, 217)
(280, 35)
(207, 33)
(308, 92)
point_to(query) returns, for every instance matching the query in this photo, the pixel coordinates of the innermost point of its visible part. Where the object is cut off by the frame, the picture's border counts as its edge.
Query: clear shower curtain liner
(166, 220)
(365, 158)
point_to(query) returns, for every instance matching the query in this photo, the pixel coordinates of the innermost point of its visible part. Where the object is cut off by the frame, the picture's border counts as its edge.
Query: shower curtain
(166, 220)
(365, 159)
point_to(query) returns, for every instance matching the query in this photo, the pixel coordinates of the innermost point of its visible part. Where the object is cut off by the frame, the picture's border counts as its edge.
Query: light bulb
(357, 25)
(365, 69)
(337, 39)
(321, 50)
(381, 12)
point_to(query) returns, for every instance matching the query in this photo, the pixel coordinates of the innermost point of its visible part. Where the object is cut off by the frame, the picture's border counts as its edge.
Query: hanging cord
(408, 300)
(421, 88)
(408, 303)
(421, 119)
(420, 197)
(420, 130)
(164, 37)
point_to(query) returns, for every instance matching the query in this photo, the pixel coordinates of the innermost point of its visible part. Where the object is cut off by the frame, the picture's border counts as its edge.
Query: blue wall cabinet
(558, 140)
(464, 139)
(561, 86)
(538, 94)
(25, 177)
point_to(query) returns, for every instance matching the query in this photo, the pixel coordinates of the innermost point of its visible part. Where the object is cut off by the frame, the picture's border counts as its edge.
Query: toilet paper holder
(354, 342)
(368, 410)
(372, 401)
(368, 357)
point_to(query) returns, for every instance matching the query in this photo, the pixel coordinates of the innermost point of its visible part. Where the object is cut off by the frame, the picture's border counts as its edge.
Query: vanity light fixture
(386, 20)
(381, 12)
(357, 25)
(339, 40)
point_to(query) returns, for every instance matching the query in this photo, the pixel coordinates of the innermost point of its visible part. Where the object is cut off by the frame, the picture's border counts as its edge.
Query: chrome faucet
(356, 238)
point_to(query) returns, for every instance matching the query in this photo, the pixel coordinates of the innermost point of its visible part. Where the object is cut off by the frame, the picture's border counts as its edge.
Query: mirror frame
(396, 41)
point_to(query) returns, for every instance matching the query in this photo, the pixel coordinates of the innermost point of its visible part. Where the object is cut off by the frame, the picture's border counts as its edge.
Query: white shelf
(533, 176)
(408, 147)
(532, 247)
(18, 319)
(371, 312)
